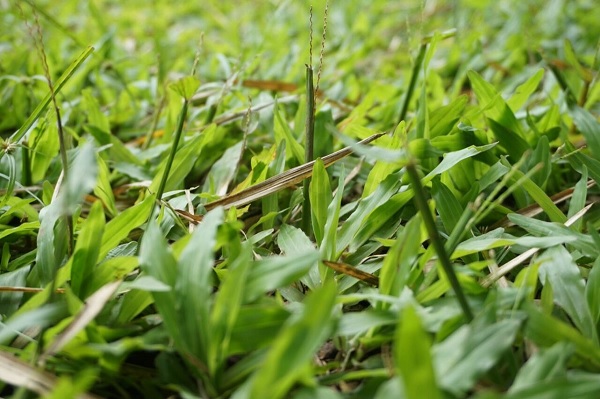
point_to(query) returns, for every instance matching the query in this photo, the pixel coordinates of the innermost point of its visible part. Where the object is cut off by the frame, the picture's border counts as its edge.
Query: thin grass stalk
(308, 148)
(165, 176)
(39, 43)
(155, 120)
(413, 82)
(25, 167)
(18, 135)
(421, 203)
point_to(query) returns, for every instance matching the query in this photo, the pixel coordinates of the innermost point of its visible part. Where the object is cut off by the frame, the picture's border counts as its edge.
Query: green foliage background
(192, 297)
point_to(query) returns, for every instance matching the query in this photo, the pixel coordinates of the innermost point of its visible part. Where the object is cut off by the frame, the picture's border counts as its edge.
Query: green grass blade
(558, 267)
(18, 135)
(292, 350)
(194, 288)
(592, 293)
(227, 306)
(412, 357)
(87, 250)
(493, 105)
(470, 351)
(543, 367)
(545, 330)
(401, 256)
(320, 198)
(525, 90)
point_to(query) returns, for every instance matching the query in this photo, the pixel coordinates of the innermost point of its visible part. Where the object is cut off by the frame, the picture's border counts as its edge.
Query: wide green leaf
(294, 347)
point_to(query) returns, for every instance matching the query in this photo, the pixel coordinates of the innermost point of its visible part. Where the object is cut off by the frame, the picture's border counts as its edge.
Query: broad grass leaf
(592, 293)
(444, 119)
(222, 172)
(323, 140)
(448, 207)
(579, 199)
(292, 241)
(392, 388)
(398, 262)
(514, 145)
(571, 57)
(119, 228)
(118, 152)
(193, 288)
(44, 145)
(133, 303)
(278, 271)
(95, 116)
(493, 104)
(328, 246)
(111, 269)
(320, 198)
(295, 345)
(589, 126)
(40, 317)
(21, 229)
(558, 267)
(157, 261)
(543, 367)
(283, 132)
(384, 210)
(489, 241)
(354, 323)
(186, 87)
(541, 156)
(255, 326)
(412, 357)
(545, 330)
(382, 169)
(52, 246)
(538, 228)
(227, 307)
(103, 189)
(469, 352)
(584, 388)
(99, 128)
(525, 90)
(453, 158)
(85, 255)
(81, 181)
(422, 124)
(579, 160)
(380, 196)
(539, 196)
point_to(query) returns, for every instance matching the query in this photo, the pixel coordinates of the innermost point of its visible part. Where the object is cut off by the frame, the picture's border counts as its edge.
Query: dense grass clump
(368, 199)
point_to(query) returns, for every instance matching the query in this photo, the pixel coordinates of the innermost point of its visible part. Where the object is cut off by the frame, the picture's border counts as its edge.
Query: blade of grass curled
(421, 203)
(18, 135)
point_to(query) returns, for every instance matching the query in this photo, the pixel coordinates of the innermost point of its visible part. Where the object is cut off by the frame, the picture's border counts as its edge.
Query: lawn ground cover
(268, 199)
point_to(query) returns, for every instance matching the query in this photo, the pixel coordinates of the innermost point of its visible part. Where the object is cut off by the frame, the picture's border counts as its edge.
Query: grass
(442, 244)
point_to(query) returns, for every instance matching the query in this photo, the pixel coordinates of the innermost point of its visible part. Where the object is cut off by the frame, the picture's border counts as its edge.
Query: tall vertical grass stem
(165, 176)
(413, 81)
(309, 147)
(421, 202)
